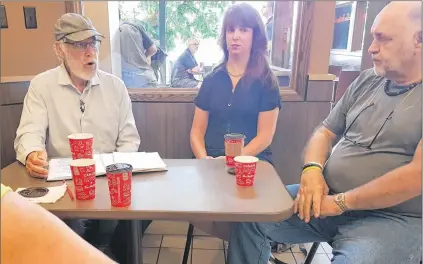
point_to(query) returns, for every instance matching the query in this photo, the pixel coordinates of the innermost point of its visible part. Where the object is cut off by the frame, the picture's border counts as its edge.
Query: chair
(335, 70)
(312, 252)
(188, 242)
(345, 79)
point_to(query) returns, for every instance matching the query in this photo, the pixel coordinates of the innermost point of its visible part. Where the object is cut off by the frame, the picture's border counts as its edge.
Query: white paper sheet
(53, 195)
(59, 169)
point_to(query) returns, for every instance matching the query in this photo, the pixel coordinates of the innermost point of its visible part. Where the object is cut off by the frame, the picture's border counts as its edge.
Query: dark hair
(258, 68)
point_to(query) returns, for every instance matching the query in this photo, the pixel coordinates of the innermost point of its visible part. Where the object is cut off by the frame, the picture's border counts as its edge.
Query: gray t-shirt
(133, 44)
(351, 165)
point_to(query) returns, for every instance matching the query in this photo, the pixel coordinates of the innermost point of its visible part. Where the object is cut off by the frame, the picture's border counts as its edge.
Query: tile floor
(164, 243)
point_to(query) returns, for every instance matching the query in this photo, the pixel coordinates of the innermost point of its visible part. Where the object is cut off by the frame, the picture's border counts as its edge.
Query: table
(191, 190)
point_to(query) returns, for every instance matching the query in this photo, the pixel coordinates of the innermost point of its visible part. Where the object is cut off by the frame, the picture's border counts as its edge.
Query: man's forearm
(26, 144)
(319, 146)
(393, 188)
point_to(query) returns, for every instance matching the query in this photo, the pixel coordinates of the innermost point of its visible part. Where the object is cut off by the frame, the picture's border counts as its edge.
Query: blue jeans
(139, 79)
(357, 237)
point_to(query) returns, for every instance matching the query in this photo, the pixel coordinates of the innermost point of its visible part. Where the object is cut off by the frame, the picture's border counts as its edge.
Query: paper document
(59, 169)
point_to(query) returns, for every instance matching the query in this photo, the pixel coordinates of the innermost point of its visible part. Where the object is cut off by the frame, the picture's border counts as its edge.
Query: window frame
(296, 91)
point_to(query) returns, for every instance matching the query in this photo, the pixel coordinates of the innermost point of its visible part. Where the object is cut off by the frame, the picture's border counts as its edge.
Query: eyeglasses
(367, 146)
(389, 117)
(84, 45)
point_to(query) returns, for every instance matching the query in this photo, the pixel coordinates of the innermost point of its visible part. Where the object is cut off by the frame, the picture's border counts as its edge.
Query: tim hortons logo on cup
(78, 181)
(113, 181)
(113, 191)
(76, 171)
(125, 176)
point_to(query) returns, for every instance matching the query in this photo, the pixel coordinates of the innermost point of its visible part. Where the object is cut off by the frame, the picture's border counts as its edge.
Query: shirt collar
(64, 78)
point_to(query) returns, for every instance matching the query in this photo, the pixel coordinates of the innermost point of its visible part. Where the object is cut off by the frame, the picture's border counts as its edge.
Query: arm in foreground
(30, 233)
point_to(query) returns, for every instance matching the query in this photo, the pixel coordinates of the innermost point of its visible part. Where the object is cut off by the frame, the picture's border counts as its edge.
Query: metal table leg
(134, 242)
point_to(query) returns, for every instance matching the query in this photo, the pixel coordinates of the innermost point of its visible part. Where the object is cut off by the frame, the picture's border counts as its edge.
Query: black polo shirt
(234, 112)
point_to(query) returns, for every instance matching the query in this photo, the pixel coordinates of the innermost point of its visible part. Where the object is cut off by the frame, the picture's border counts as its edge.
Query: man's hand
(329, 207)
(312, 190)
(35, 163)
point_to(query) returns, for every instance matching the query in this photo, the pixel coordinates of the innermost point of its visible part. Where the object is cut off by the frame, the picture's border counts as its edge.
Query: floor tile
(198, 232)
(205, 256)
(207, 243)
(285, 257)
(296, 248)
(174, 241)
(167, 228)
(318, 258)
(151, 241)
(150, 255)
(326, 247)
(171, 256)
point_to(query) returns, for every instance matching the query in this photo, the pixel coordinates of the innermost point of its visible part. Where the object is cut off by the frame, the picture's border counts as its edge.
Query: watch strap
(340, 201)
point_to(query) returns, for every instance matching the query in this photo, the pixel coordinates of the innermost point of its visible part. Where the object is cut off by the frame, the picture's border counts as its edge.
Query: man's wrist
(312, 166)
(341, 201)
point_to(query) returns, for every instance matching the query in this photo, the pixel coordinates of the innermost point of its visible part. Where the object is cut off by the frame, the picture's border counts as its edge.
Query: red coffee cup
(245, 170)
(81, 145)
(119, 178)
(83, 175)
(234, 143)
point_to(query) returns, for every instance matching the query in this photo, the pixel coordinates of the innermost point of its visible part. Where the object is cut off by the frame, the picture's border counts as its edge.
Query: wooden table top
(191, 190)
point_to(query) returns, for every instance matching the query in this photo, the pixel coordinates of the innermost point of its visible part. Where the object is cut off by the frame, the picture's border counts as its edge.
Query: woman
(185, 67)
(241, 95)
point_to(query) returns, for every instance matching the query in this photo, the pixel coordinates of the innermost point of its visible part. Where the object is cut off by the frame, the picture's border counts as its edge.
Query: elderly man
(186, 66)
(74, 97)
(365, 199)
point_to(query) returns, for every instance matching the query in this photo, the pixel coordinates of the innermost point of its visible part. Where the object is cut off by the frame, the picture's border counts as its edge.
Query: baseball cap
(74, 27)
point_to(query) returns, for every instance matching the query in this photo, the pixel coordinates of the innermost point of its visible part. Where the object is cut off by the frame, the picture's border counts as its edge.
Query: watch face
(339, 197)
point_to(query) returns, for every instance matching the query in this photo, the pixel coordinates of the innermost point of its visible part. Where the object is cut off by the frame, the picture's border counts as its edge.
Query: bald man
(363, 196)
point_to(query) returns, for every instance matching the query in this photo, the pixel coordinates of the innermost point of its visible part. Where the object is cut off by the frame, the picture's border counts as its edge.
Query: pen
(68, 191)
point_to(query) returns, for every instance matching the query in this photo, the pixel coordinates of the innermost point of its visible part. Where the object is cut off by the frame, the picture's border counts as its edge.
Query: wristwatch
(340, 201)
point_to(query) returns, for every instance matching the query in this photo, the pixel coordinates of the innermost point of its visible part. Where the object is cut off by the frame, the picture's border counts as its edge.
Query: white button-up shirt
(52, 111)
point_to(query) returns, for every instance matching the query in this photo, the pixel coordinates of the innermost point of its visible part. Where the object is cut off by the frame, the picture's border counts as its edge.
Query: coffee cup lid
(117, 167)
(234, 136)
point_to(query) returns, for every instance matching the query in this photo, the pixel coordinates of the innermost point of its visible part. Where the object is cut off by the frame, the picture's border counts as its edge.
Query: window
(183, 20)
(348, 33)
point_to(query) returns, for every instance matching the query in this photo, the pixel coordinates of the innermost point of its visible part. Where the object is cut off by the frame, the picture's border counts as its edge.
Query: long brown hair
(258, 68)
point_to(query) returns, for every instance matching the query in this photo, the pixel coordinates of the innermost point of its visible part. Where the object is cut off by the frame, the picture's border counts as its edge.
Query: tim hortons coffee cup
(234, 143)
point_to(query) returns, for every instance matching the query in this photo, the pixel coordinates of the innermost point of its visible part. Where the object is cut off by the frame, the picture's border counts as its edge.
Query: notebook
(59, 169)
